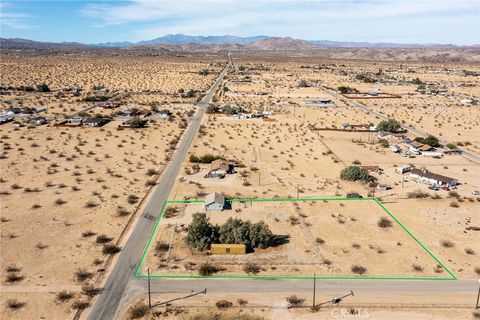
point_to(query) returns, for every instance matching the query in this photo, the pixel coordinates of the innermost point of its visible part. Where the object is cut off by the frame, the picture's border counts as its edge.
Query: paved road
(107, 304)
(367, 109)
(300, 285)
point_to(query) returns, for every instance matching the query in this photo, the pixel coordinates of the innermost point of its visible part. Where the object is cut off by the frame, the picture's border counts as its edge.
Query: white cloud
(305, 19)
(10, 17)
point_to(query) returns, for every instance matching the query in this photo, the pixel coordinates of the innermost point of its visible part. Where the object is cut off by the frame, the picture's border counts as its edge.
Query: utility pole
(477, 306)
(314, 281)
(297, 192)
(259, 178)
(149, 295)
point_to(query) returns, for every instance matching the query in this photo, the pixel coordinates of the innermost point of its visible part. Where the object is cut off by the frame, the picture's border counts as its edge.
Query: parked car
(353, 195)
(476, 192)
(434, 187)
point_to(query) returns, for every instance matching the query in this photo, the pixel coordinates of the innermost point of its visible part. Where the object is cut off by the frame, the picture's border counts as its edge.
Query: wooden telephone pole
(149, 291)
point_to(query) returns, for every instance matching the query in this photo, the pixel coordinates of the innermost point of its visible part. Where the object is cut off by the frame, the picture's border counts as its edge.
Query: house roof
(425, 147)
(430, 175)
(214, 197)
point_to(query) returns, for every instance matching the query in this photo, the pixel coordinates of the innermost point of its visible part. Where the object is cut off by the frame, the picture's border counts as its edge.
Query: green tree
(201, 233)
(390, 125)
(431, 141)
(451, 146)
(354, 173)
(260, 235)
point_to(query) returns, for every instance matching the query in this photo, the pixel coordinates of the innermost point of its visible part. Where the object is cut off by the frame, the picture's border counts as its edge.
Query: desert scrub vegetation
(354, 173)
(447, 243)
(64, 295)
(357, 269)
(138, 310)
(384, 223)
(223, 304)
(207, 269)
(14, 304)
(294, 301)
(82, 275)
(251, 268)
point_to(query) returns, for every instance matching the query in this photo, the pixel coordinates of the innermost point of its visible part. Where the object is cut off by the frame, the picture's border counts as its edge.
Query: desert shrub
(132, 199)
(13, 268)
(14, 304)
(13, 277)
(319, 241)
(111, 249)
(103, 238)
(223, 304)
(384, 223)
(161, 247)
(88, 233)
(417, 268)
(383, 142)
(447, 243)
(417, 194)
(242, 302)
(477, 270)
(390, 125)
(122, 212)
(454, 204)
(80, 305)
(90, 204)
(83, 275)
(357, 269)
(207, 269)
(64, 295)
(206, 158)
(138, 310)
(90, 290)
(302, 83)
(469, 251)
(476, 314)
(60, 202)
(201, 233)
(151, 172)
(294, 301)
(251, 268)
(354, 173)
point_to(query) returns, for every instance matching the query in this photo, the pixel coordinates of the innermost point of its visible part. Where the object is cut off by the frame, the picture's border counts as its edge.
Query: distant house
(319, 102)
(228, 248)
(5, 119)
(13, 111)
(164, 114)
(74, 121)
(219, 168)
(432, 178)
(214, 202)
(40, 120)
(95, 122)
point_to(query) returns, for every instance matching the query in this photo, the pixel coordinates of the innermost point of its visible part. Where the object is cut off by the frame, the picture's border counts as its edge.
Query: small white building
(432, 178)
(214, 202)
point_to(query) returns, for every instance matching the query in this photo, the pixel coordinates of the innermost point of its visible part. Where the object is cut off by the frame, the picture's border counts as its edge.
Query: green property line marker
(137, 273)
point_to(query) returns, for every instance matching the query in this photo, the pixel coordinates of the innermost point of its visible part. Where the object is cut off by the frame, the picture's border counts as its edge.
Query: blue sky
(399, 21)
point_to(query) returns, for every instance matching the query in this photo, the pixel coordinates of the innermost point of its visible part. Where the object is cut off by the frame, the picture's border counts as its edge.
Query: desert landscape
(88, 139)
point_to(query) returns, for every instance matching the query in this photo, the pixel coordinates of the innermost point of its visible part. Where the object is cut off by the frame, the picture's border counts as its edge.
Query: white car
(476, 192)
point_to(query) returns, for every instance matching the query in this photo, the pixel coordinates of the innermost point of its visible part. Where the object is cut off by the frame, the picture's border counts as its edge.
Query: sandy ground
(62, 187)
(275, 306)
(284, 157)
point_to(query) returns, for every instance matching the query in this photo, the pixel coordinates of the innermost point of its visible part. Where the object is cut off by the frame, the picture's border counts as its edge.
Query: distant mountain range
(256, 42)
(326, 48)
